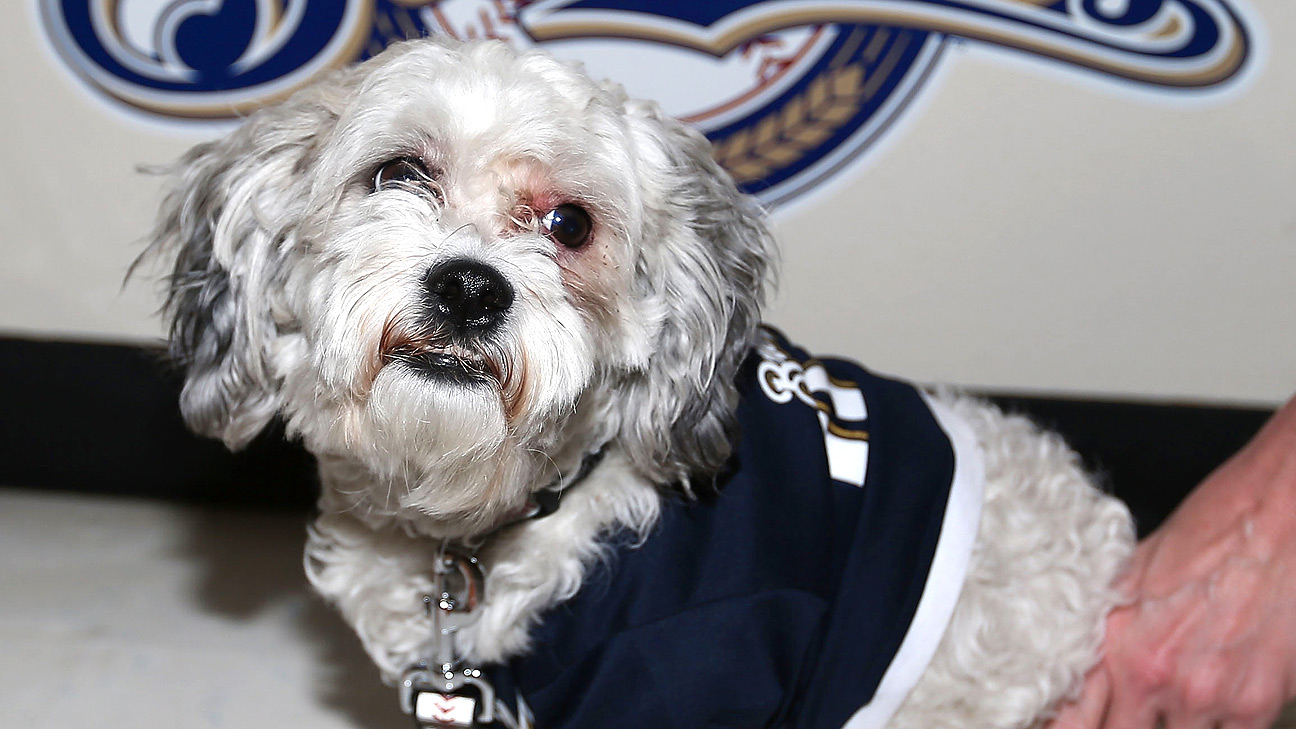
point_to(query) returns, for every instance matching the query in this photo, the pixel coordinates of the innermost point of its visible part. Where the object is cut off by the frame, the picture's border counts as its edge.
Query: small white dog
(475, 283)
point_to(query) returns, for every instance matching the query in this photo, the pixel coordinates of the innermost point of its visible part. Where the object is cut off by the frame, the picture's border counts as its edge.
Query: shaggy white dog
(471, 280)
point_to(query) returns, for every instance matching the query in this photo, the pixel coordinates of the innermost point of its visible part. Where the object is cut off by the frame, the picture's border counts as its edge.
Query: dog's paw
(378, 580)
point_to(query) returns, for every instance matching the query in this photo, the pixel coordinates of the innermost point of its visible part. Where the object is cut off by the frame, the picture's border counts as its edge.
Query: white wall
(1025, 226)
(1033, 229)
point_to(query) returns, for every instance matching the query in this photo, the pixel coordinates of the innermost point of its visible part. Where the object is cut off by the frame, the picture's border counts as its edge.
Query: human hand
(1208, 639)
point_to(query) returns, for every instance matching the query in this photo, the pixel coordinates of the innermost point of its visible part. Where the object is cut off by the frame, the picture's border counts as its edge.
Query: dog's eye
(567, 224)
(400, 171)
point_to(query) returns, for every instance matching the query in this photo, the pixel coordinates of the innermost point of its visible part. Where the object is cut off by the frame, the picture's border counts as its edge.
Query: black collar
(545, 501)
(542, 503)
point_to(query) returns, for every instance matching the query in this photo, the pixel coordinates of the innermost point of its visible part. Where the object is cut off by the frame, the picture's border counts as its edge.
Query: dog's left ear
(226, 229)
(706, 261)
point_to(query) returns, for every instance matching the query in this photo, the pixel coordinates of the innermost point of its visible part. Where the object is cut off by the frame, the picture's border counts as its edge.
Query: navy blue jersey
(809, 594)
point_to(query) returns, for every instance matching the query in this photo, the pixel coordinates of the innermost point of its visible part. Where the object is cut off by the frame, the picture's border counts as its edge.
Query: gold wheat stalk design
(805, 122)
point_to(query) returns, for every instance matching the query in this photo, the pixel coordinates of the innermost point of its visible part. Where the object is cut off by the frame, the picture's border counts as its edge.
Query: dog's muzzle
(464, 303)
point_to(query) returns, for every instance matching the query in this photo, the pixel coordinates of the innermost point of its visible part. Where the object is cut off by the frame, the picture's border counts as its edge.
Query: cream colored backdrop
(1024, 226)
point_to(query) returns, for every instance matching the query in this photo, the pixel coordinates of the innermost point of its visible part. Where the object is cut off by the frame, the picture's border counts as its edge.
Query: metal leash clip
(442, 693)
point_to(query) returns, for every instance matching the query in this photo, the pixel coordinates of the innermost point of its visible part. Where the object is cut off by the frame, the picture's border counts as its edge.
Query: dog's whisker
(549, 459)
(451, 235)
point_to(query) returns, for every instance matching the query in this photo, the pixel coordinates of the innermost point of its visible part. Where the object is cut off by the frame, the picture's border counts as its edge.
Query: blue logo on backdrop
(790, 91)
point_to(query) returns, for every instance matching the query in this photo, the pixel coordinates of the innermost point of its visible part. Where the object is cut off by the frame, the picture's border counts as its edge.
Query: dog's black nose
(470, 296)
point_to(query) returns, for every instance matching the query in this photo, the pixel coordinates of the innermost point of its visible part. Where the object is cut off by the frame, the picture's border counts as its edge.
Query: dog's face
(459, 269)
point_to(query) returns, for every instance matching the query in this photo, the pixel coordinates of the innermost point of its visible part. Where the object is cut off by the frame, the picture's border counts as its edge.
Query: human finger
(1089, 709)
(1134, 704)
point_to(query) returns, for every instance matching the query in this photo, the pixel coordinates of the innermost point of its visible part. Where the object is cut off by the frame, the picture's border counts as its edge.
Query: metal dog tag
(464, 700)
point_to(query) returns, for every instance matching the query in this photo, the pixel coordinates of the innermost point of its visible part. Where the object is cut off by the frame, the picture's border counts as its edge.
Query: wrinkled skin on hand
(1208, 638)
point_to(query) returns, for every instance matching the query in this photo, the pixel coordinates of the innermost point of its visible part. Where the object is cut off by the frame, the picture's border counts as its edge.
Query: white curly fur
(1028, 622)
(299, 287)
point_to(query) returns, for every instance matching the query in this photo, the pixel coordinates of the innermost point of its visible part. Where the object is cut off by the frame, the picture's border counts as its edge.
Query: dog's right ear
(708, 267)
(227, 226)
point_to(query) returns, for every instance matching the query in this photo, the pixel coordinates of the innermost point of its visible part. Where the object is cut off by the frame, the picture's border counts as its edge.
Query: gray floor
(118, 613)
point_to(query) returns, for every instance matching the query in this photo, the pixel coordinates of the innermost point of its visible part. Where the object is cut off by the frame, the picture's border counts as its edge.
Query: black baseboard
(1149, 454)
(103, 418)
